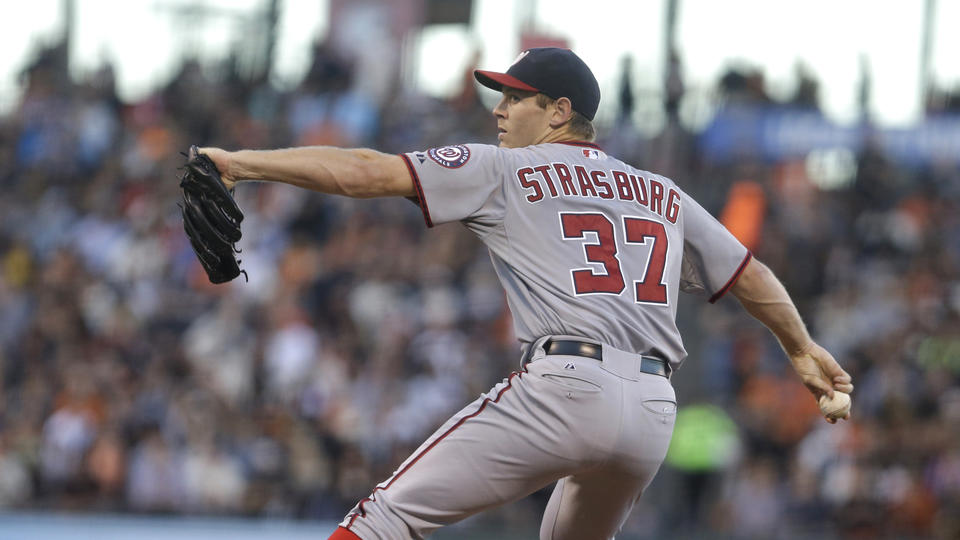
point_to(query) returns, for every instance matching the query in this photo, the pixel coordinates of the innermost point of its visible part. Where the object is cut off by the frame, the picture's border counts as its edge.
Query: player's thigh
(490, 453)
(596, 503)
(591, 506)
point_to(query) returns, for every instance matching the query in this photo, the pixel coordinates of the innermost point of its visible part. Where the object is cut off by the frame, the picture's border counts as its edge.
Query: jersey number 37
(650, 289)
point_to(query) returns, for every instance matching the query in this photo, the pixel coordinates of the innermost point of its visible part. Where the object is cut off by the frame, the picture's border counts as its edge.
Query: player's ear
(562, 112)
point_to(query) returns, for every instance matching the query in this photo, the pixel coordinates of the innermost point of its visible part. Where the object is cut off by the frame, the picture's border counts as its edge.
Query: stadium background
(136, 396)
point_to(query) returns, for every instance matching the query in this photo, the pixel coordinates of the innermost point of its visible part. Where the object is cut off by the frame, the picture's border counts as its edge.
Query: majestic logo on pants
(451, 157)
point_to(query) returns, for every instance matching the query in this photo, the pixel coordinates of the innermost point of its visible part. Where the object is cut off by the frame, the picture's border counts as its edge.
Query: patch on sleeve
(451, 157)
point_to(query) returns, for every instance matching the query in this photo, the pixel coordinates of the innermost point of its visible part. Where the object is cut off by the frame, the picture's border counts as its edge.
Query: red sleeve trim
(733, 279)
(421, 200)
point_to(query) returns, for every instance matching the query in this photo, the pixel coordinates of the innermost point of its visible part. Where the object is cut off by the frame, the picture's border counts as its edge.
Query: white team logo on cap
(520, 57)
(451, 157)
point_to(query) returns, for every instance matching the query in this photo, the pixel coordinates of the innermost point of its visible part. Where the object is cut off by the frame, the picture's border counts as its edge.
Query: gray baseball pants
(600, 429)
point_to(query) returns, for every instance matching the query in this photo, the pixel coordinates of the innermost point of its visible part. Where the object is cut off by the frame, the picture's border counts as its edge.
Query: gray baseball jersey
(583, 243)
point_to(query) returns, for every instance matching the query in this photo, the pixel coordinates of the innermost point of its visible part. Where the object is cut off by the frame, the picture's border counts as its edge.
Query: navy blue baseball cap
(552, 71)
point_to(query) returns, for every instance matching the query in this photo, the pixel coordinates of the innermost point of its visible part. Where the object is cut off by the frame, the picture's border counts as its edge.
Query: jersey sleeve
(713, 258)
(458, 182)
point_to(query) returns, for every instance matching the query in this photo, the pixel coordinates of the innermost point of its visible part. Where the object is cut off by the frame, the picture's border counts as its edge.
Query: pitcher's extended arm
(359, 173)
(765, 298)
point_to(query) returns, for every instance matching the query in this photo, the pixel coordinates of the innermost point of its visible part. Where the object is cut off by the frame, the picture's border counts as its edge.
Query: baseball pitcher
(592, 254)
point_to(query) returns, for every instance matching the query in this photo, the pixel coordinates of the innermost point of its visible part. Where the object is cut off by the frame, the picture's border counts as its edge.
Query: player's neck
(562, 134)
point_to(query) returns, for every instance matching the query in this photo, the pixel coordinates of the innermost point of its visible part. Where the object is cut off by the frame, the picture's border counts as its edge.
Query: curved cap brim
(496, 81)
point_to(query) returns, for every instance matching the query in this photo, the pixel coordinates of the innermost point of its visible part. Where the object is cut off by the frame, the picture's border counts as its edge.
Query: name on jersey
(557, 180)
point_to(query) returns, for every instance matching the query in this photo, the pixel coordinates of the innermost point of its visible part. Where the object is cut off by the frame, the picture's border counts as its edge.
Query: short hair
(579, 124)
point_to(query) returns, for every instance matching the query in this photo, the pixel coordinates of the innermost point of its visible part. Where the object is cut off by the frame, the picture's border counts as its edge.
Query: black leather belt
(648, 364)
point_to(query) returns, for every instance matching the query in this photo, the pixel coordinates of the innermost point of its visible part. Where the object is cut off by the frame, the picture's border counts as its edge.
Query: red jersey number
(648, 290)
(604, 252)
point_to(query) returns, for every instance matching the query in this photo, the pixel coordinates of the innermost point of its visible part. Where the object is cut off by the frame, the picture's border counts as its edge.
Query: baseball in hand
(835, 408)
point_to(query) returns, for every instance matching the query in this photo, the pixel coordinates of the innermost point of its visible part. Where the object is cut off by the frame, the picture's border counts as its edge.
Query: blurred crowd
(129, 383)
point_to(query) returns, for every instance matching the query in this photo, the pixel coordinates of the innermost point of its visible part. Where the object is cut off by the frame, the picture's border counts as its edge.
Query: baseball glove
(211, 218)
